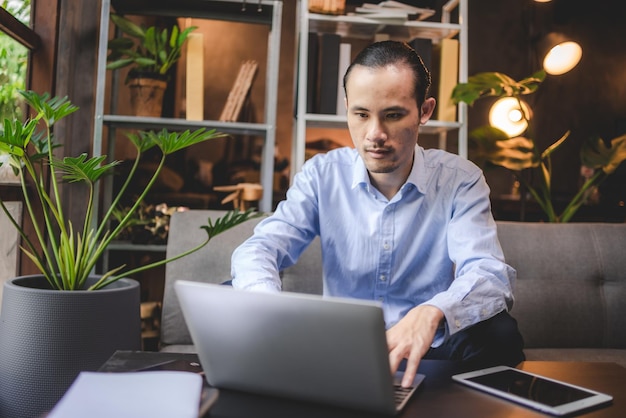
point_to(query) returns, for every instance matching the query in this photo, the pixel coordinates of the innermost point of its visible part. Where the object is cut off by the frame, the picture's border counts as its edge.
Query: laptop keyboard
(401, 395)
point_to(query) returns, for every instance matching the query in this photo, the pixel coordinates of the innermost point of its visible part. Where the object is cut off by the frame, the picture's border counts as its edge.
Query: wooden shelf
(314, 120)
(149, 123)
(228, 10)
(130, 246)
(359, 27)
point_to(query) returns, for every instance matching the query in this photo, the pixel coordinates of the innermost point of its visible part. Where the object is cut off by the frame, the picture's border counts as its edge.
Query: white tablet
(544, 394)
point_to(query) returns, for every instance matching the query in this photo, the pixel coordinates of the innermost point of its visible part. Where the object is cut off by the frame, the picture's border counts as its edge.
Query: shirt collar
(359, 172)
(417, 176)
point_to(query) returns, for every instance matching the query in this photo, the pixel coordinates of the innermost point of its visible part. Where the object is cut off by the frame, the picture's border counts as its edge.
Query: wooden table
(438, 397)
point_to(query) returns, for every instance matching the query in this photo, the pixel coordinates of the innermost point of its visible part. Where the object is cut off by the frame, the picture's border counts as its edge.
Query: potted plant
(150, 52)
(599, 158)
(66, 319)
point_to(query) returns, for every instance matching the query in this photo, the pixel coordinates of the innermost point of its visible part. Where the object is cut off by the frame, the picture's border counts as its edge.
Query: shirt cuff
(259, 286)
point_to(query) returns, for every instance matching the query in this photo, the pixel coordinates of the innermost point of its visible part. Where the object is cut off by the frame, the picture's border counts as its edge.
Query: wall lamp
(556, 52)
(510, 116)
(560, 53)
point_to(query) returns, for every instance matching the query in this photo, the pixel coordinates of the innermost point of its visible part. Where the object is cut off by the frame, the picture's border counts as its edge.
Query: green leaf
(495, 84)
(163, 39)
(228, 221)
(496, 147)
(170, 142)
(80, 168)
(145, 62)
(152, 49)
(515, 154)
(16, 136)
(141, 140)
(52, 109)
(548, 151)
(120, 43)
(174, 37)
(595, 154)
(128, 27)
(114, 65)
(183, 36)
(150, 42)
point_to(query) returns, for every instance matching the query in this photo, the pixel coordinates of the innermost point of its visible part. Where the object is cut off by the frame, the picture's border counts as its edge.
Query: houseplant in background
(67, 319)
(150, 52)
(519, 152)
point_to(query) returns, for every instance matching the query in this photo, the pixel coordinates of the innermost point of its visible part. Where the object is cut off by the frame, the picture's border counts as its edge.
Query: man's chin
(378, 168)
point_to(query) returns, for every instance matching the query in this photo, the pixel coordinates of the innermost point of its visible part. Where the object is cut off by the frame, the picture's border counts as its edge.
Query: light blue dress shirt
(434, 242)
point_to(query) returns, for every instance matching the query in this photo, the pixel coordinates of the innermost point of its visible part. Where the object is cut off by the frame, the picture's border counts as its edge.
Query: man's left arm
(482, 285)
(481, 288)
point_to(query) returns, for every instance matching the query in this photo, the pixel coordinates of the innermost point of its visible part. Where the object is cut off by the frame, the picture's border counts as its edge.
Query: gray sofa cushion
(211, 264)
(569, 295)
(571, 283)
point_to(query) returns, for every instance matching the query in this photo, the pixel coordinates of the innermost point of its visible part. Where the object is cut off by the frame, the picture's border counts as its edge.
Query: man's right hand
(411, 338)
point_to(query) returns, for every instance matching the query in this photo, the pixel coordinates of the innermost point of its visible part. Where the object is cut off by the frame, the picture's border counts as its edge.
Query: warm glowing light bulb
(506, 115)
(515, 115)
(562, 58)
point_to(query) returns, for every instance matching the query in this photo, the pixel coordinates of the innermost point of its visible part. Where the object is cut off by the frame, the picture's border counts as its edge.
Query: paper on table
(155, 394)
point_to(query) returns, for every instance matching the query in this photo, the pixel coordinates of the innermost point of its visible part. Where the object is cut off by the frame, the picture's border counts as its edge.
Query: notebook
(326, 350)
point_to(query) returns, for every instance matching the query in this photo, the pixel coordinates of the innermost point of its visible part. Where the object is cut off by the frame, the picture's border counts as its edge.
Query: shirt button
(457, 323)
(383, 277)
(385, 246)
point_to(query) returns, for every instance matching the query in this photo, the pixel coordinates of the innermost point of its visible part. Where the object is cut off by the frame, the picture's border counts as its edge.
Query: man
(409, 227)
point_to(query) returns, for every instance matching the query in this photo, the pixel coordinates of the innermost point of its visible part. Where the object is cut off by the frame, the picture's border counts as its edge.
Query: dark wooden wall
(589, 100)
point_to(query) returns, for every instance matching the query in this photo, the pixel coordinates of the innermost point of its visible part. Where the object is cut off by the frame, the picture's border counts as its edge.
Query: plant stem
(107, 238)
(104, 281)
(579, 199)
(105, 220)
(538, 198)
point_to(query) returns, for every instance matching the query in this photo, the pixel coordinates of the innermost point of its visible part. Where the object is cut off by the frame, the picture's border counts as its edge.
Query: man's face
(383, 118)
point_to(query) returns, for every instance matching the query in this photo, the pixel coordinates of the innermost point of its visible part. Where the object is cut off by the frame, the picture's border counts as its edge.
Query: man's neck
(388, 183)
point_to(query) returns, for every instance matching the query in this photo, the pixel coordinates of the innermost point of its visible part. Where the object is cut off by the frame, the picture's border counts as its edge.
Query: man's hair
(381, 54)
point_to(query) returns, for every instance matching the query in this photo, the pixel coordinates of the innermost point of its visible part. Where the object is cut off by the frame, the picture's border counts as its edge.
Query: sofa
(570, 293)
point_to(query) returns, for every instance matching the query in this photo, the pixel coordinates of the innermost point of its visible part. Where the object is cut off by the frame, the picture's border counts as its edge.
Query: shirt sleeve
(279, 240)
(482, 285)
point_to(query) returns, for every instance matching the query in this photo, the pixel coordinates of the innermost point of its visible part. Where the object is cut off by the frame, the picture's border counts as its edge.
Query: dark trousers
(493, 342)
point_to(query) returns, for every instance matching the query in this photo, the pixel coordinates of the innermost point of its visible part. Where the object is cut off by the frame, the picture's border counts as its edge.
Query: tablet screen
(531, 387)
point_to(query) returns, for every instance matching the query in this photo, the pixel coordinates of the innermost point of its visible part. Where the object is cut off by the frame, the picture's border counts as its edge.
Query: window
(17, 39)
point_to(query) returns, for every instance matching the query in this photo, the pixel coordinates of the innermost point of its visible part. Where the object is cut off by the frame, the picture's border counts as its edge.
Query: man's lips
(377, 152)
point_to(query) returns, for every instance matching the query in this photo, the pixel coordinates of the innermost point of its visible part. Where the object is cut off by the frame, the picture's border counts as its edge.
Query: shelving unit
(358, 27)
(265, 12)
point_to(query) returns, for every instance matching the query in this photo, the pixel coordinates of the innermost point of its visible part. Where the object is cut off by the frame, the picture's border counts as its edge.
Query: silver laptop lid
(305, 347)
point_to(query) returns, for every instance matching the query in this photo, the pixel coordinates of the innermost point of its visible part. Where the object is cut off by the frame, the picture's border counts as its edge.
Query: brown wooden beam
(18, 31)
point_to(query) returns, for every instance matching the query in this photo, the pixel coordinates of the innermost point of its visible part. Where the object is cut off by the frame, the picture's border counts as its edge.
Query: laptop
(326, 350)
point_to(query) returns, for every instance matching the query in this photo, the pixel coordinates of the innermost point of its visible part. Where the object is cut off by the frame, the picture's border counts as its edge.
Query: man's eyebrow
(385, 110)
(395, 109)
(358, 109)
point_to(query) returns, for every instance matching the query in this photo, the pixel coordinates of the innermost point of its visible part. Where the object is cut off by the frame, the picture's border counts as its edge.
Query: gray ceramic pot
(48, 336)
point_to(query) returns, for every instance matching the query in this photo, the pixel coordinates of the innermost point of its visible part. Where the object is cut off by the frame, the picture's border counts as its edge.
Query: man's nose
(376, 130)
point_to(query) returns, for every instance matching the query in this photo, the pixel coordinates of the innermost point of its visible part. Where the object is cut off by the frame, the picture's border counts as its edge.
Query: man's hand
(411, 338)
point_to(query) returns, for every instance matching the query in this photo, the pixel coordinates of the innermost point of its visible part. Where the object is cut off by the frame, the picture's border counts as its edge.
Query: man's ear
(428, 107)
